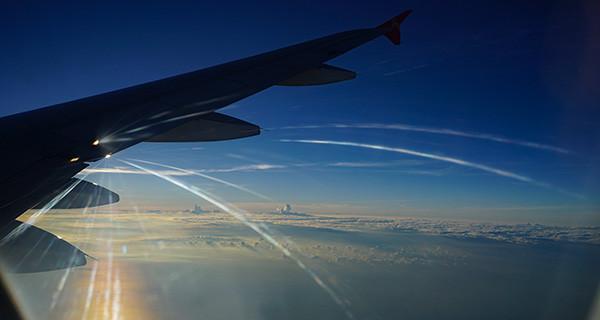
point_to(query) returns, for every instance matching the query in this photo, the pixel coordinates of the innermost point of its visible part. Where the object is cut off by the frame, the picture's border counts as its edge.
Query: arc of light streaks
(240, 216)
(33, 218)
(244, 168)
(61, 285)
(90, 290)
(442, 131)
(179, 117)
(195, 173)
(457, 161)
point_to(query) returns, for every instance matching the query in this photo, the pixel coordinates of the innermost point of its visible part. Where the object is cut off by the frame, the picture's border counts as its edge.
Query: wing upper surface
(46, 147)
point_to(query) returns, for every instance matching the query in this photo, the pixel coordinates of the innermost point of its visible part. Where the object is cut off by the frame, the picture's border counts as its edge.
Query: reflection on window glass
(454, 176)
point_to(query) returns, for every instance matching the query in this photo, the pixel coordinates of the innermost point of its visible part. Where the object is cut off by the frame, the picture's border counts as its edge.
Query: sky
(412, 180)
(486, 111)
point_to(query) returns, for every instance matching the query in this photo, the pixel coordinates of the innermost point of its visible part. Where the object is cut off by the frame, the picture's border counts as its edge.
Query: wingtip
(391, 28)
(399, 18)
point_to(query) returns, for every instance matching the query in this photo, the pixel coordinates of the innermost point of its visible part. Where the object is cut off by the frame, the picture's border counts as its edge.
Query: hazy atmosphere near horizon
(456, 177)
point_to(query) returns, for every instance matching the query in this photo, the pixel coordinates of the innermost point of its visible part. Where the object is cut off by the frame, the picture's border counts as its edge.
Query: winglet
(391, 28)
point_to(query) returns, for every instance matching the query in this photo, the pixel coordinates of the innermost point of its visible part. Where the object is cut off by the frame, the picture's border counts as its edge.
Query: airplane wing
(43, 149)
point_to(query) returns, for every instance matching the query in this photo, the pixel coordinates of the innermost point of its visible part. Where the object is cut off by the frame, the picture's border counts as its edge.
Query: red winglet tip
(391, 28)
(399, 18)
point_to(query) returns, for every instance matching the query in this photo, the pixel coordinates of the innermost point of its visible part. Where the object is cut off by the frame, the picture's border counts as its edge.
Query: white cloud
(287, 210)
(457, 161)
(441, 131)
(262, 230)
(361, 164)
(250, 167)
(185, 172)
(123, 170)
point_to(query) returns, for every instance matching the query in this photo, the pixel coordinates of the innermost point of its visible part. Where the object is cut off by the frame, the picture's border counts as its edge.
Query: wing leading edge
(50, 145)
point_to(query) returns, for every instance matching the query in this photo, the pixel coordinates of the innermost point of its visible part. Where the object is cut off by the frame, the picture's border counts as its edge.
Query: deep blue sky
(524, 70)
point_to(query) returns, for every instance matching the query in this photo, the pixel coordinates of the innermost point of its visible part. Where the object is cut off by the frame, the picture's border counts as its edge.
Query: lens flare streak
(195, 173)
(240, 216)
(90, 292)
(33, 218)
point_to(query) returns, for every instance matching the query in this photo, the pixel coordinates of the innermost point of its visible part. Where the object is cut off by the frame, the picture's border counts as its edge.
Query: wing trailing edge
(36, 250)
(210, 127)
(324, 74)
(83, 194)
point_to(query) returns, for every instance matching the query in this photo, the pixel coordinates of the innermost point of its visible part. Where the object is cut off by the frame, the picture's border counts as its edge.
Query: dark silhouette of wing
(43, 149)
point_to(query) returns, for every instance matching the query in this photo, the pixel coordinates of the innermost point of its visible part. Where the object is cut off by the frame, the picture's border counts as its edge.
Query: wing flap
(324, 74)
(210, 127)
(36, 250)
(83, 195)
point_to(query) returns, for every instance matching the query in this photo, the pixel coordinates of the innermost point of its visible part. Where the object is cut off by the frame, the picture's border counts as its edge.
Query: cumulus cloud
(287, 210)
(261, 230)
